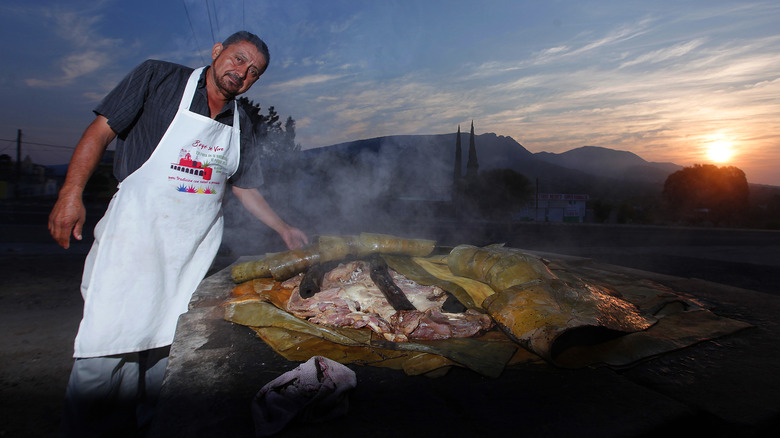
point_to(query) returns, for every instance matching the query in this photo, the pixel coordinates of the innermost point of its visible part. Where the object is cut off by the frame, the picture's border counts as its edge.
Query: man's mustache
(237, 79)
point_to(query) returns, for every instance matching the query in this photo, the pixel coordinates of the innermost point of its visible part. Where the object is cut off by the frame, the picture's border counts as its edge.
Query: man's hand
(294, 238)
(68, 215)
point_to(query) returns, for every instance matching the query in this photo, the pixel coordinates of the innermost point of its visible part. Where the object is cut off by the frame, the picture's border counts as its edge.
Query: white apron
(158, 237)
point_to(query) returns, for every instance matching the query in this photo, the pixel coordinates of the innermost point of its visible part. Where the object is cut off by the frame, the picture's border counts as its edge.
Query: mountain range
(423, 165)
(612, 163)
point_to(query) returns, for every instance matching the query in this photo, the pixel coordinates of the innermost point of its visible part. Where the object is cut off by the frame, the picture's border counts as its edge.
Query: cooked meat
(349, 298)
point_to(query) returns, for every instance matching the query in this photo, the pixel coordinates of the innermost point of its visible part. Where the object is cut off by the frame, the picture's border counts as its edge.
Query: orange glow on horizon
(720, 149)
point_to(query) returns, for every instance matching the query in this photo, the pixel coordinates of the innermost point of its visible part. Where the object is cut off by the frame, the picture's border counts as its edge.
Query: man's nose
(243, 71)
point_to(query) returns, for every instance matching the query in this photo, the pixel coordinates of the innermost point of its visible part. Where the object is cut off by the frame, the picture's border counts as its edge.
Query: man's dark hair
(243, 35)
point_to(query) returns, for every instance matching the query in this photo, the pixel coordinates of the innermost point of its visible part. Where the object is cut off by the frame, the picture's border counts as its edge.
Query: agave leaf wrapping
(289, 263)
(337, 247)
(385, 244)
(499, 268)
(281, 266)
(411, 268)
(548, 318)
(250, 270)
(539, 310)
(285, 264)
(471, 293)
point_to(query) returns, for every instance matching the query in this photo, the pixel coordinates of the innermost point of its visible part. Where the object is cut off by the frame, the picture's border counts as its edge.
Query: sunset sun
(720, 151)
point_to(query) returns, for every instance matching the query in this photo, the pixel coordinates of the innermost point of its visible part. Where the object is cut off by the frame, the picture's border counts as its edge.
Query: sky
(688, 82)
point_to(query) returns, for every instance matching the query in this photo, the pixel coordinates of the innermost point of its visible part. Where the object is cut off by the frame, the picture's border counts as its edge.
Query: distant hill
(419, 165)
(622, 165)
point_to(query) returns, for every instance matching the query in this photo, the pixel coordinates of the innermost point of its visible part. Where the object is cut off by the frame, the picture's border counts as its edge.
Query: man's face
(236, 67)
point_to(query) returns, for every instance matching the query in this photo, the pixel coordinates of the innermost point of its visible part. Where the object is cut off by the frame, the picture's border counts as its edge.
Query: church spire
(472, 166)
(458, 159)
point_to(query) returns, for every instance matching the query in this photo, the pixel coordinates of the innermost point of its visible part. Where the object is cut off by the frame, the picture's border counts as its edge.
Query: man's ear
(216, 50)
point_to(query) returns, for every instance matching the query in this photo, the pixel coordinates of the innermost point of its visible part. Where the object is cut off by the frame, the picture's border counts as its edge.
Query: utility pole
(457, 180)
(458, 160)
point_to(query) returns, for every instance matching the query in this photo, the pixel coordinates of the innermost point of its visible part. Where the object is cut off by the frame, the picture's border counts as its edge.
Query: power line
(193, 31)
(208, 11)
(40, 144)
(216, 19)
(49, 145)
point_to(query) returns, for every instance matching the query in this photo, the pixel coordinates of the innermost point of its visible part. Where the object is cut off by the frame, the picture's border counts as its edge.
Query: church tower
(458, 160)
(472, 166)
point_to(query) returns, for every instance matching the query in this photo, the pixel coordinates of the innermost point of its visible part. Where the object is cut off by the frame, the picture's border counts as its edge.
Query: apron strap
(189, 90)
(236, 134)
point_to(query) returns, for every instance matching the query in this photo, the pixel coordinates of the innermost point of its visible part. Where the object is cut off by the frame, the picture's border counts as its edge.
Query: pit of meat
(349, 298)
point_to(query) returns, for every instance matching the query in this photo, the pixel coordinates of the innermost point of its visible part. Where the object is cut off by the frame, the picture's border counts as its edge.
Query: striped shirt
(143, 105)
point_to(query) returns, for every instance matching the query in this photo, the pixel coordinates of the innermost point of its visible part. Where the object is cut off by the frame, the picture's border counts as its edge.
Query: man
(179, 144)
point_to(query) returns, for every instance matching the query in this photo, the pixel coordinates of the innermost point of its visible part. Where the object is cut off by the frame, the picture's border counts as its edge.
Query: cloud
(620, 34)
(493, 68)
(344, 25)
(504, 96)
(93, 96)
(579, 48)
(73, 66)
(304, 81)
(587, 100)
(88, 52)
(413, 104)
(665, 53)
(662, 108)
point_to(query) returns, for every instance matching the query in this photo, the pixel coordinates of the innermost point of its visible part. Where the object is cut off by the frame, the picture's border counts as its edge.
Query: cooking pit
(694, 379)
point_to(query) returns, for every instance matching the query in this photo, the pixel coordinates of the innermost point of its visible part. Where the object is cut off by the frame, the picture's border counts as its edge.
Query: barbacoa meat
(349, 298)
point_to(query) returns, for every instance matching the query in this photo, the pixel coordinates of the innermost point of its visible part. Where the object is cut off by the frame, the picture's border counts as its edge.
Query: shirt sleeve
(124, 103)
(140, 109)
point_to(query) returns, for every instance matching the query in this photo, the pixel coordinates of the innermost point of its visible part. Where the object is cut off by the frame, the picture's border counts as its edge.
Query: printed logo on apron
(198, 168)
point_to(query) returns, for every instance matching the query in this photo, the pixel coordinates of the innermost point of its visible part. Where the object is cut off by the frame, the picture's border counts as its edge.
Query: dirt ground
(40, 310)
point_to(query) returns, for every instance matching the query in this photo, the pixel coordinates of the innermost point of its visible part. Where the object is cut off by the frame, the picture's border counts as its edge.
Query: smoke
(399, 185)
(393, 185)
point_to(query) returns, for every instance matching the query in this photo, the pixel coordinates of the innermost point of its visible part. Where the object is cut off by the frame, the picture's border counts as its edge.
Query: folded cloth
(317, 390)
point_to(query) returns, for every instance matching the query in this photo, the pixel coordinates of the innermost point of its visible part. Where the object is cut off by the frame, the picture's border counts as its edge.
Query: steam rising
(377, 185)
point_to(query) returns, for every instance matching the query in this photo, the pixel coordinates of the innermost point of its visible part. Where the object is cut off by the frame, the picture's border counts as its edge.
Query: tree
(276, 144)
(707, 192)
(499, 192)
(289, 127)
(601, 210)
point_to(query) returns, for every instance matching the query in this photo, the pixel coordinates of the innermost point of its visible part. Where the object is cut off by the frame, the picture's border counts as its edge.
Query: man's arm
(68, 214)
(253, 201)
